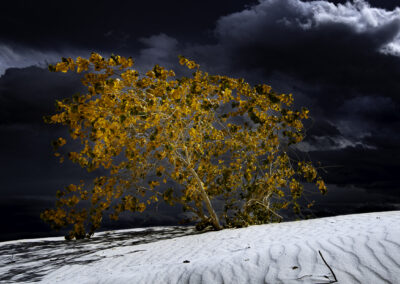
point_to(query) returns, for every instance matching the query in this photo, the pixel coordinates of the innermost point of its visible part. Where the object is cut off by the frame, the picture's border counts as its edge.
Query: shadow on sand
(30, 261)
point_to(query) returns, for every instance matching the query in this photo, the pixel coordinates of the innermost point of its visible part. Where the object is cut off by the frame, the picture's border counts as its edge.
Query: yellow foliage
(177, 129)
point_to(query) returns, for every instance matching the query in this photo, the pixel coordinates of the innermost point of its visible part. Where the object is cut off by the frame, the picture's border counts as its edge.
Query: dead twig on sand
(334, 276)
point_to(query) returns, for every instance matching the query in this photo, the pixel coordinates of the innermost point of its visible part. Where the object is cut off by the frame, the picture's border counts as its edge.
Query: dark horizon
(340, 59)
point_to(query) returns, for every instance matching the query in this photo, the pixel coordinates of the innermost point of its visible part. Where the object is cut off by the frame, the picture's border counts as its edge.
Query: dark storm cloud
(27, 94)
(338, 47)
(158, 49)
(26, 156)
(341, 60)
(373, 110)
(322, 128)
(330, 56)
(20, 56)
(39, 32)
(385, 4)
(105, 25)
(373, 169)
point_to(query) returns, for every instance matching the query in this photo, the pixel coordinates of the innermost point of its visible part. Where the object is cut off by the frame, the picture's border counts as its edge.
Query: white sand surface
(361, 248)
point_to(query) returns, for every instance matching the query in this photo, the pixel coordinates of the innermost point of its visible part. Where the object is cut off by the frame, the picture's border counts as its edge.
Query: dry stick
(334, 276)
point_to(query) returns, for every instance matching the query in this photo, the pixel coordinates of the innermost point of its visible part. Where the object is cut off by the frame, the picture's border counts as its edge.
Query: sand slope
(363, 248)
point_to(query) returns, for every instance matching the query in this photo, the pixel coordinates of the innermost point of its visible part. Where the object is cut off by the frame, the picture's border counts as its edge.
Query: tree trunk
(207, 201)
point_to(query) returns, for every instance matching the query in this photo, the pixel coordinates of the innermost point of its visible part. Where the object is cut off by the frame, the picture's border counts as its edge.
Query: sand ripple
(362, 248)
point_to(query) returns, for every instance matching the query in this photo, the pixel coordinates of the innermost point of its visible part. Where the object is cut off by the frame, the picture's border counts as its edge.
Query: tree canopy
(213, 136)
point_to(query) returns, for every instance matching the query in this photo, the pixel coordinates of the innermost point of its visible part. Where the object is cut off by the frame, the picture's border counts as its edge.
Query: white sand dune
(362, 248)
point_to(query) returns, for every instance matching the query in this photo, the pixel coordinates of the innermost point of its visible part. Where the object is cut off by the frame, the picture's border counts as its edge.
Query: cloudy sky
(340, 59)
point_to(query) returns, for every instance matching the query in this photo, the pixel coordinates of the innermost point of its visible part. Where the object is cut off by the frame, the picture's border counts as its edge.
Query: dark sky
(339, 59)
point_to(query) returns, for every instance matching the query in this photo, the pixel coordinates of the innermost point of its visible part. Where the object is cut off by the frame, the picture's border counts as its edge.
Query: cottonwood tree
(216, 137)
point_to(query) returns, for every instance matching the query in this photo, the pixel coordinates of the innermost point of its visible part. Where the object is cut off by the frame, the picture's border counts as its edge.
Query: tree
(215, 136)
